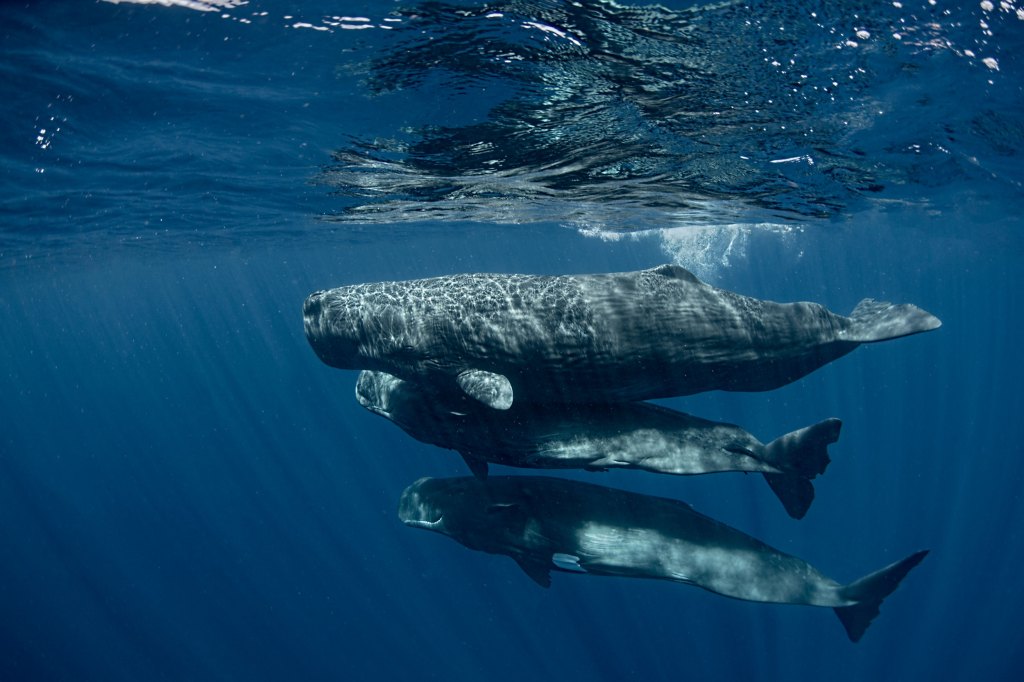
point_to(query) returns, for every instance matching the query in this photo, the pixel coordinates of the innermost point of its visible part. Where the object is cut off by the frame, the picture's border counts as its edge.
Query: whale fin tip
(869, 592)
(795, 493)
(873, 321)
(539, 573)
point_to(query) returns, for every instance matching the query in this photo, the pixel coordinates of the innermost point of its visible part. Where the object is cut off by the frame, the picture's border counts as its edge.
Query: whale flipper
(493, 390)
(875, 320)
(869, 592)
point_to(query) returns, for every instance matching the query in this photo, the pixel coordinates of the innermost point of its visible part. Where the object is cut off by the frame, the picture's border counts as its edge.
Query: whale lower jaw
(429, 525)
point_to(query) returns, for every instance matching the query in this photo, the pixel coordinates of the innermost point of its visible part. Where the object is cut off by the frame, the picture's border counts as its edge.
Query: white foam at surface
(199, 5)
(707, 250)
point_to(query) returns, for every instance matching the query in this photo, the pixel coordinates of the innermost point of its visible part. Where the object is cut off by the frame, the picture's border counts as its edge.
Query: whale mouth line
(422, 523)
(378, 410)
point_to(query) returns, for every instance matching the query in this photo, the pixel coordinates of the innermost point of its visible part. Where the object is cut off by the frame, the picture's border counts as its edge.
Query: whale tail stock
(802, 455)
(873, 321)
(869, 592)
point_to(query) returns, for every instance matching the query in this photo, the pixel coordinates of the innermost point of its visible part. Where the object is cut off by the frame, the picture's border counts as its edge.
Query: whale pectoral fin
(676, 272)
(478, 467)
(538, 572)
(493, 390)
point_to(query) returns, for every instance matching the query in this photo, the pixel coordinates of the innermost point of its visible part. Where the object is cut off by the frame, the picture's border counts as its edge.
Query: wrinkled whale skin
(586, 338)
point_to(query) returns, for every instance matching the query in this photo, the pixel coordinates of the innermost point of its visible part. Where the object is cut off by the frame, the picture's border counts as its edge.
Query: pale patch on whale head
(419, 509)
(461, 508)
(375, 391)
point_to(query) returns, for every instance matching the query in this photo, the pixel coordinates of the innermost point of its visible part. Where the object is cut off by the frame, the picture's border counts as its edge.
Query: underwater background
(187, 492)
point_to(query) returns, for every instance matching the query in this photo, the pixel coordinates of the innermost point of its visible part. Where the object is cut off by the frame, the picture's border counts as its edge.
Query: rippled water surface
(187, 492)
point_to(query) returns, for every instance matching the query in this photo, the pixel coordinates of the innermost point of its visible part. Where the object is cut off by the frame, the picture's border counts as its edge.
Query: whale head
(351, 328)
(424, 412)
(421, 507)
(381, 393)
(461, 508)
(333, 329)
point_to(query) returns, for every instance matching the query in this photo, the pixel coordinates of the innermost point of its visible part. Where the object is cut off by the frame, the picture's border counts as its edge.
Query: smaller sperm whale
(548, 524)
(599, 437)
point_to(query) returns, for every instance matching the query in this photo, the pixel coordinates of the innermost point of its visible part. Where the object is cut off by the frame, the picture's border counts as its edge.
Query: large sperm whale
(587, 338)
(547, 524)
(598, 437)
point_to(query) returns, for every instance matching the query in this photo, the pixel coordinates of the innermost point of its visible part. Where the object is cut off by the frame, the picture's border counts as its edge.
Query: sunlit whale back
(587, 338)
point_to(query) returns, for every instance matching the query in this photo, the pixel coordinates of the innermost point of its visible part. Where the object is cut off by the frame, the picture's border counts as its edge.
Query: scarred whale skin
(599, 437)
(587, 338)
(547, 524)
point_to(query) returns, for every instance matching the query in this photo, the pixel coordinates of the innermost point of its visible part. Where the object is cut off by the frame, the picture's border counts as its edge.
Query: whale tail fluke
(794, 492)
(875, 320)
(800, 455)
(869, 592)
(804, 452)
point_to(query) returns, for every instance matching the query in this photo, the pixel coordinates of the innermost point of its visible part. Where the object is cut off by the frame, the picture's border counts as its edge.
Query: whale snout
(415, 508)
(372, 393)
(312, 306)
(331, 333)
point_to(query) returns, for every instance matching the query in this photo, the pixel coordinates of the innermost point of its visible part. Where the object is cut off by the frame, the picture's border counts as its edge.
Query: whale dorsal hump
(493, 390)
(675, 272)
(477, 466)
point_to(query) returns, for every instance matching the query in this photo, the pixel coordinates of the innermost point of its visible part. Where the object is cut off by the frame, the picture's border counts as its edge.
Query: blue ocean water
(187, 492)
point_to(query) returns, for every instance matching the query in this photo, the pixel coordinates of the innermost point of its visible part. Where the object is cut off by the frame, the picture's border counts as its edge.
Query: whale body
(600, 437)
(616, 337)
(547, 524)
